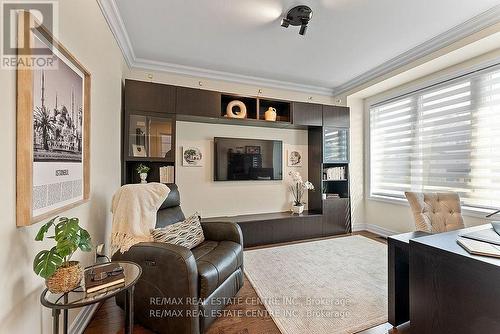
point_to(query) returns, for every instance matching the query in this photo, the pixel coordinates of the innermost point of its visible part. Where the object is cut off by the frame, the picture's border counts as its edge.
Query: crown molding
(141, 63)
(115, 23)
(467, 28)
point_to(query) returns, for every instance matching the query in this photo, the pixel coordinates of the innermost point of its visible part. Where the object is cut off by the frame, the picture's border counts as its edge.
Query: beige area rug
(329, 286)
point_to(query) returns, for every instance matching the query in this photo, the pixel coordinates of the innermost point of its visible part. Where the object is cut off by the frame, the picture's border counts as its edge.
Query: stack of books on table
(102, 277)
(332, 196)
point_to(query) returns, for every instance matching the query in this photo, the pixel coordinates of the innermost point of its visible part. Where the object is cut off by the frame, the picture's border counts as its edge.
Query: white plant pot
(298, 209)
(143, 177)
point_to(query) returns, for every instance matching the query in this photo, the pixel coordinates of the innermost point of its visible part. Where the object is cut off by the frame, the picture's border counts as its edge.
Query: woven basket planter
(66, 278)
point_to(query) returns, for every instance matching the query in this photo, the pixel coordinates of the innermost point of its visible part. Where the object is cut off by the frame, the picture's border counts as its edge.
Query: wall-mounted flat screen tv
(238, 159)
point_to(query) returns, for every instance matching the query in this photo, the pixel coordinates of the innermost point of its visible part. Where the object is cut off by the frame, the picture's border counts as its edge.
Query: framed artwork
(53, 131)
(192, 157)
(294, 158)
(138, 150)
(252, 149)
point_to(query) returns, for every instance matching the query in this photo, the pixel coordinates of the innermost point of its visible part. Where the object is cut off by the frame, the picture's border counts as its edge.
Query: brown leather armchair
(182, 291)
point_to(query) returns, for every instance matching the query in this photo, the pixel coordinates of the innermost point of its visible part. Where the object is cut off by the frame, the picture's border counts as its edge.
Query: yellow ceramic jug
(270, 114)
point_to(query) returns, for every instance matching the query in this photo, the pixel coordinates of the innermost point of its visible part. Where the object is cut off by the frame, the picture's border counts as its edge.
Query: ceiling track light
(298, 16)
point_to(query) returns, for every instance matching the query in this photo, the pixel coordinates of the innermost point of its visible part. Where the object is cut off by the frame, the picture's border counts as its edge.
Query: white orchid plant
(298, 187)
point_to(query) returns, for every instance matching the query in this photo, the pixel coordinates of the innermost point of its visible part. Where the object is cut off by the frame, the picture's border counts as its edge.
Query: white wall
(199, 191)
(84, 32)
(356, 167)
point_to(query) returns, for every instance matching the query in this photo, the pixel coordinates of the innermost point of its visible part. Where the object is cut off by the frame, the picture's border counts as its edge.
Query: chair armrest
(165, 264)
(169, 273)
(222, 231)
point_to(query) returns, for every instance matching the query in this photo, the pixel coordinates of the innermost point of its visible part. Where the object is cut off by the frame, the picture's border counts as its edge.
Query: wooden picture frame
(25, 127)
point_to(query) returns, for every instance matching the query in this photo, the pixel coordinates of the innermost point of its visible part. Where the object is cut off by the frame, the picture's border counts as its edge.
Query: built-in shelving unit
(149, 130)
(151, 111)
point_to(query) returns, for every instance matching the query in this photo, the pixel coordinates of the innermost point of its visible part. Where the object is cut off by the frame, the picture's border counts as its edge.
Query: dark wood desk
(398, 267)
(452, 291)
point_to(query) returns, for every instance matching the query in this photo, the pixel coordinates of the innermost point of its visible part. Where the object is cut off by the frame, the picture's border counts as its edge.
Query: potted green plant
(143, 170)
(62, 275)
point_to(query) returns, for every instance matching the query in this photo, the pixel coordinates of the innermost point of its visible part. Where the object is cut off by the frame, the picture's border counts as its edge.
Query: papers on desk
(479, 248)
(487, 235)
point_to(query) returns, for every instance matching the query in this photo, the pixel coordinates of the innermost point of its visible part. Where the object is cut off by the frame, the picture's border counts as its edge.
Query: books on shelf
(93, 284)
(167, 174)
(334, 174)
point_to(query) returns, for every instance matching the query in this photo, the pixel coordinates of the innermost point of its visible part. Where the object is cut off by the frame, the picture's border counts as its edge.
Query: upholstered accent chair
(436, 212)
(181, 290)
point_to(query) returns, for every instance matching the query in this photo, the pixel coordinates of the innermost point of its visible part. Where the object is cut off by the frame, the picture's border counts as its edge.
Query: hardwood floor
(109, 318)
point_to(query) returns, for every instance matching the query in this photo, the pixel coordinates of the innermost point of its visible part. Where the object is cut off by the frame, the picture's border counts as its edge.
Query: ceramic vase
(298, 209)
(270, 114)
(240, 105)
(143, 177)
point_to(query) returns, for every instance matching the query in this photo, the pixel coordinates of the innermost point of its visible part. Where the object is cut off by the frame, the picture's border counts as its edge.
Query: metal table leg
(129, 310)
(55, 321)
(65, 315)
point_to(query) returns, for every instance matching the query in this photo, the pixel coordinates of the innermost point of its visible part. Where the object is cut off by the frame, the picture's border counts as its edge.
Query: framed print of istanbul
(53, 127)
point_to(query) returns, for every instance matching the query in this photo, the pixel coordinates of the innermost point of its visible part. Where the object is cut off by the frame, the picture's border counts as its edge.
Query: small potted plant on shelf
(298, 187)
(62, 275)
(143, 170)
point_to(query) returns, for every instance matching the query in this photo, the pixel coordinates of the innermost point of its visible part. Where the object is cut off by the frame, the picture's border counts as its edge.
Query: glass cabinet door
(150, 137)
(336, 145)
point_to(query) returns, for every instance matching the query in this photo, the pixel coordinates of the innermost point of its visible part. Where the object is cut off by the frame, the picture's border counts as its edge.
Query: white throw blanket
(134, 209)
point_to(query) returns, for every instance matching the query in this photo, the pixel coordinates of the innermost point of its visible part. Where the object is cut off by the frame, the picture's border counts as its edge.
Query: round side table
(79, 298)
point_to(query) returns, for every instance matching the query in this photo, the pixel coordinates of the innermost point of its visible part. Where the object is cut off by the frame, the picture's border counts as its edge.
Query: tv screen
(239, 159)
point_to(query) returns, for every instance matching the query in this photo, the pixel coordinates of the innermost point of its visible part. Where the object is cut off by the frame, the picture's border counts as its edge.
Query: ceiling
(243, 41)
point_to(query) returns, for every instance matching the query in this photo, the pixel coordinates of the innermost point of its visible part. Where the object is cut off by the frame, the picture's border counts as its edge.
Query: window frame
(436, 79)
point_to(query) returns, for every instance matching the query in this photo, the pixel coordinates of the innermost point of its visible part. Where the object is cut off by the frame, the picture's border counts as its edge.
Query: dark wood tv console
(271, 228)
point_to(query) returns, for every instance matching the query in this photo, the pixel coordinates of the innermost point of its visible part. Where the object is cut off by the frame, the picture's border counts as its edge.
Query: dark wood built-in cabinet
(336, 116)
(151, 111)
(197, 102)
(148, 129)
(148, 96)
(308, 114)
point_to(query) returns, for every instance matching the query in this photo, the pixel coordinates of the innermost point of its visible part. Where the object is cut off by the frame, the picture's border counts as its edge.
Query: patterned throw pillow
(187, 233)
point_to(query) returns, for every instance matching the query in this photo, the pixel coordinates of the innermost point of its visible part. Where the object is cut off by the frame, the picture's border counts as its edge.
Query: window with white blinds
(442, 138)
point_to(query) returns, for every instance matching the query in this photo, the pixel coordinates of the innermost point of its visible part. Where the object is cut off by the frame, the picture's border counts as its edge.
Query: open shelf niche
(257, 107)
(336, 183)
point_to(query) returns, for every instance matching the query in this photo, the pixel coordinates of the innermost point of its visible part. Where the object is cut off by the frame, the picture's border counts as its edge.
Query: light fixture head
(303, 29)
(298, 16)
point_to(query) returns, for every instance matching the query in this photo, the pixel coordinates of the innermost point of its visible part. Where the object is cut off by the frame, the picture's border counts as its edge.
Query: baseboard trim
(83, 319)
(382, 231)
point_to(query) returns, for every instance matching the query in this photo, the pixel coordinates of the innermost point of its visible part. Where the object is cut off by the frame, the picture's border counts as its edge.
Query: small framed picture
(295, 158)
(138, 150)
(192, 157)
(252, 149)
